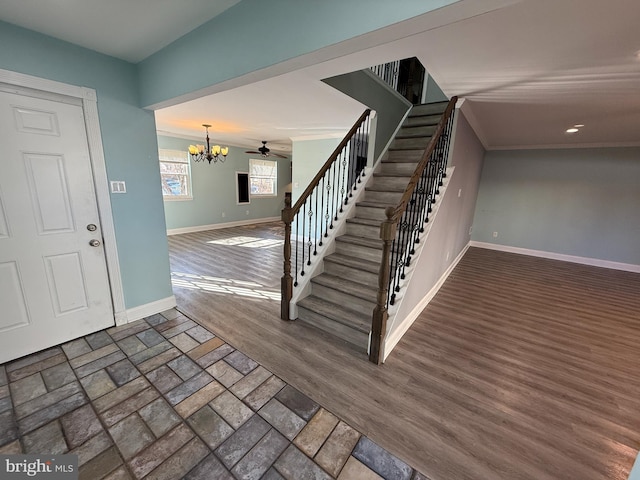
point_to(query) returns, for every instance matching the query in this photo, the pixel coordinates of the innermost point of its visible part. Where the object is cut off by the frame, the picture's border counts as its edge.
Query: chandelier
(199, 153)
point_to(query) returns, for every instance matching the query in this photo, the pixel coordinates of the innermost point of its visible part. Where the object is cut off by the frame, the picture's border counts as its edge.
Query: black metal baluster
(366, 135)
(336, 190)
(315, 224)
(333, 186)
(327, 217)
(391, 295)
(422, 207)
(295, 283)
(304, 225)
(344, 190)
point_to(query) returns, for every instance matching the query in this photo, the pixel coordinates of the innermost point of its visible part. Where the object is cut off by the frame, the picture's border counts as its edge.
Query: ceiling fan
(265, 151)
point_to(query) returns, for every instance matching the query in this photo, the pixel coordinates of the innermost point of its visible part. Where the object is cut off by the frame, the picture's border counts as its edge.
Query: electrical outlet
(459, 193)
(247, 212)
(470, 230)
(495, 234)
(448, 255)
(224, 214)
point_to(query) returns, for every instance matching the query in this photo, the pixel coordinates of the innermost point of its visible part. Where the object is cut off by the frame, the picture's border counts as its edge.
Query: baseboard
(594, 262)
(635, 470)
(148, 309)
(217, 226)
(393, 339)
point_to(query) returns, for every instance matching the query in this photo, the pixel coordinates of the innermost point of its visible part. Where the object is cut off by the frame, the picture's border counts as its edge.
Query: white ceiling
(127, 29)
(528, 69)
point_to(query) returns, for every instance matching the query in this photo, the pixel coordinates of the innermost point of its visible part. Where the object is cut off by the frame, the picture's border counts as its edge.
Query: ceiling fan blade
(272, 154)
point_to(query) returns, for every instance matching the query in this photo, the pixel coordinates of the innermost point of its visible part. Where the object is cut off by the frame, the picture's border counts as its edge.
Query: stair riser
(391, 198)
(404, 155)
(358, 276)
(354, 337)
(422, 120)
(358, 251)
(391, 183)
(370, 213)
(366, 231)
(410, 143)
(428, 109)
(341, 298)
(421, 131)
(406, 168)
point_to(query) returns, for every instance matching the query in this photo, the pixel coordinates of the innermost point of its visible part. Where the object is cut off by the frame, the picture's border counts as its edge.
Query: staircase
(343, 297)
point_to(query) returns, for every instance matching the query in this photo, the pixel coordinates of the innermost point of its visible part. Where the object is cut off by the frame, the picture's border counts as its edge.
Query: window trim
(275, 178)
(170, 156)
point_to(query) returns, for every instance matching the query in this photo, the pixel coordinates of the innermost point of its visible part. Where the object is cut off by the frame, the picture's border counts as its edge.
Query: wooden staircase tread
(355, 263)
(364, 221)
(370, 204)
(401, 156)
(360, 241)
(339, 313)
(349, 287)
(401, 161)
(397, 148)
(422, 121)
(384, 188)
(391, 174)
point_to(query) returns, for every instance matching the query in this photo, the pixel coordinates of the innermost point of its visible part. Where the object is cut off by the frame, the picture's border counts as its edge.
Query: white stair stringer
(424, 239)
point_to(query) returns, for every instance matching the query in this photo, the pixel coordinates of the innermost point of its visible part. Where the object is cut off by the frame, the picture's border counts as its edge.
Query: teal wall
(433, 92)
(367, 88)
(581, 202)
(214, 190)
(255, 34)
(129, 140)
(308, 157)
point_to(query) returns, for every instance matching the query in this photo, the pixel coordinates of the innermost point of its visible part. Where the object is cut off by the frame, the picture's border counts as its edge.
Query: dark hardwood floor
(520, 367)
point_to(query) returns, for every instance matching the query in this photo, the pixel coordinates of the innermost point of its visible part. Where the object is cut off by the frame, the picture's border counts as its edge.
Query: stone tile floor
(164, 398)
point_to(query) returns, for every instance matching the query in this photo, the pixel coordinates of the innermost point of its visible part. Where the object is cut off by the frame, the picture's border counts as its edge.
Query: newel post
(380, 313)
(286, 283)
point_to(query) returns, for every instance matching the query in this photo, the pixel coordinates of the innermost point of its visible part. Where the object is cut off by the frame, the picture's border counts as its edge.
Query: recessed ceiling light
(572, 130)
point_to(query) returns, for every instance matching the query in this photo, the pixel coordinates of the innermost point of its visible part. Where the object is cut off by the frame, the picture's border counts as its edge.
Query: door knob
(91, 227)
(94, 243)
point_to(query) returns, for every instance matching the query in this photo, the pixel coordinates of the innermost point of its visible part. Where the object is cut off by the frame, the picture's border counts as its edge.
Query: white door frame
(96, 154)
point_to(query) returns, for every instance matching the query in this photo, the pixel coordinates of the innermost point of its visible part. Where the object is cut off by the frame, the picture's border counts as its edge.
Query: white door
(53, 277)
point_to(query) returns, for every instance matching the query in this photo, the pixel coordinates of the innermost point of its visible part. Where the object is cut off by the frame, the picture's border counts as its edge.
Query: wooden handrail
(316, 180)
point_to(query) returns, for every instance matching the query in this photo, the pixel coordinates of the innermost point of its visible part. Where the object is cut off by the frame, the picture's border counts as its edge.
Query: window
(263, 176)
(175, 173)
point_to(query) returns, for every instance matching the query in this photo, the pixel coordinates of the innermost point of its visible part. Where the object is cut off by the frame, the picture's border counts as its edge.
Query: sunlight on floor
(223, 286)
(249, 242)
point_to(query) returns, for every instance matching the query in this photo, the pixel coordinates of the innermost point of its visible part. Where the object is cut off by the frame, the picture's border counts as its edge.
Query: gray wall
(214, 190)
(449, 232)
(582, 202)
(368, 89)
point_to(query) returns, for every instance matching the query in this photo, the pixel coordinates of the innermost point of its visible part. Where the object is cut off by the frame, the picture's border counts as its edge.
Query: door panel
(66, 283)
(49, 193)
(53, 284)
(12, 298)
